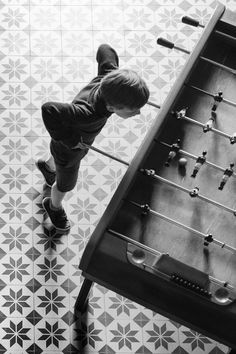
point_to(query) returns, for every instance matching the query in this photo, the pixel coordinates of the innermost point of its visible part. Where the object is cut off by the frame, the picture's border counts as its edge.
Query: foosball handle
(165, 43)
(191, 21)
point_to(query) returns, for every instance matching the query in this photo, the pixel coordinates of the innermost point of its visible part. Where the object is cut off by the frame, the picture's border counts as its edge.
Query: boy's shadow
(81, 330)
(79, 320)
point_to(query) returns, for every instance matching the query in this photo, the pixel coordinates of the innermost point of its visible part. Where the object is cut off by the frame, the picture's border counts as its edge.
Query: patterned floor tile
(16, 238)
(77, 43)
(50, 270)
(16, 301)
(16, 334)
(52, 334)
(119, 307)
(51, 302)
(44, 43)
(45, 92)
(14, 17)
(161, 337)
(107, 17)
(123, 337)
(16, 208)
(14, 42)
(138, 18)
(76, 18)
(88, 335)
(44, 18)
(16, 178)
(192, 341)
(47, 69)
(14, 68)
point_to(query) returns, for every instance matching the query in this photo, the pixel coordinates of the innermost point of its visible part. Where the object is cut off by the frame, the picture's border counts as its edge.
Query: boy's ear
(110, 108)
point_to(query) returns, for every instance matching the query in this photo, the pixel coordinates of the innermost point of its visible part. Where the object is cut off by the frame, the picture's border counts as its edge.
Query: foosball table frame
(117, 262)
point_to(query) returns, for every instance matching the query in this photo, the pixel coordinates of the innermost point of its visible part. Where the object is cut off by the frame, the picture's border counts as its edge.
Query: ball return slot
(168, 268)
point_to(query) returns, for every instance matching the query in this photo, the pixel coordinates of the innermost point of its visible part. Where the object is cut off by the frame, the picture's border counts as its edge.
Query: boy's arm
(107, 59)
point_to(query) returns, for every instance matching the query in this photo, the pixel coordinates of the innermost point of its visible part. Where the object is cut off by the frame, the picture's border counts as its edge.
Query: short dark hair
(124, 88)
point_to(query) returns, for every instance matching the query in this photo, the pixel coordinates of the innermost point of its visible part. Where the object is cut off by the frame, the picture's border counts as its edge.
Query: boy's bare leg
(57, 197)
(51, 164)
(55, 210)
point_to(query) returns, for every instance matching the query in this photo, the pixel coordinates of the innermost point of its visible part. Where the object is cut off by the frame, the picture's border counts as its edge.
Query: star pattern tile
(47, 52)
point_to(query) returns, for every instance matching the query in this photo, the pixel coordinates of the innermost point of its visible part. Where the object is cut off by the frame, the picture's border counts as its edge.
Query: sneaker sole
(58, 228)
(49, 185)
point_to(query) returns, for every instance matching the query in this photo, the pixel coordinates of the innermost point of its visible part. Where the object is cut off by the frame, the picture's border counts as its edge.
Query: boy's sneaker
(49, 175)
(58, 217)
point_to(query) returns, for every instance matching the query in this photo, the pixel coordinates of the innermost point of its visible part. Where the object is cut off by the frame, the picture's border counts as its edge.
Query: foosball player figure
(194, 192)
(227, 173)
(200, 161)
(233, 139)
(173, 151)
(208, 126)
(217, 99)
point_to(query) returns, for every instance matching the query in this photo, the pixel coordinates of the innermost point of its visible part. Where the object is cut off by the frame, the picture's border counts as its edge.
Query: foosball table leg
(82, 299)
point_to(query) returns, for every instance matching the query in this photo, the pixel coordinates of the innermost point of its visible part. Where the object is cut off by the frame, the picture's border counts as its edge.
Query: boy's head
(124, 92)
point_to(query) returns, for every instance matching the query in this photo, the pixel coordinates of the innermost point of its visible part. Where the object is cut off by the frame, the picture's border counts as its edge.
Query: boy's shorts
(67, 163)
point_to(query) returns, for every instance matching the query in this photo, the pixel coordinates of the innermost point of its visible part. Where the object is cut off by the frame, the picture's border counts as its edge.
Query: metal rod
(205, 199)
(221, 66)
(134, 242)
(195, 157)
(192, 22)
(210, 94)
(203, 125)
(183, 226)
(225, 35)
(105, 154)
(182, 49)
(153, 104)
(109, 155)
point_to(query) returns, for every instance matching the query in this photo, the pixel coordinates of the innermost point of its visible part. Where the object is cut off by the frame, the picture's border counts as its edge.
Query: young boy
(71, 124)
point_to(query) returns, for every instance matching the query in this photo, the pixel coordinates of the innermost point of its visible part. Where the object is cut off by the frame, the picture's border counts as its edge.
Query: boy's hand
(80, 145)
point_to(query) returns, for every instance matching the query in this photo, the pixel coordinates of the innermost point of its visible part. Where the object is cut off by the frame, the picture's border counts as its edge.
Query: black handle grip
(190, 21)
(165, 43)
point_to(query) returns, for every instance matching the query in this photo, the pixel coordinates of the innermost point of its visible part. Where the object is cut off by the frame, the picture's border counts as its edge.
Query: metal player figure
(200, 161)
(233, 139)
(173, 151)
(227, 173)
(194, 192)
(217, 99)
(209, 124)
(180, 114)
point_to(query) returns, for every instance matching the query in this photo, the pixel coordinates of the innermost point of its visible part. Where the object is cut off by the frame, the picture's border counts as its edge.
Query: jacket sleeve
(107, 59)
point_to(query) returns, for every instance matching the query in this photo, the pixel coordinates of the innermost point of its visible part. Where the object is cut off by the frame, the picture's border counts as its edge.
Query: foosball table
(167, 239)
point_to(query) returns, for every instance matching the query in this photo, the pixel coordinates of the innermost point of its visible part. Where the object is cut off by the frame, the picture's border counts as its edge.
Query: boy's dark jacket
(87, 114)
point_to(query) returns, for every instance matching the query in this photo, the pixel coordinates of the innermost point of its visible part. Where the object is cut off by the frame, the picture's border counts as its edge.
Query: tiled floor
(47, 50)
